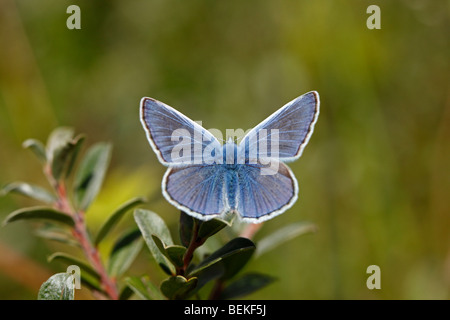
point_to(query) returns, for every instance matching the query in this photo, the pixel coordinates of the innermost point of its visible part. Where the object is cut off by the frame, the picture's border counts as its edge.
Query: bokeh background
(374, 178)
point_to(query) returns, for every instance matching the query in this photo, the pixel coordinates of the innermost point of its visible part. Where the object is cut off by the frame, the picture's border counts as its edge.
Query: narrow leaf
(92, 283)
(174, 253)
(211, 227)
(90, 174)
(67, 258)
(51, 232)
(178, 287)
(283, 235)
(125, 293)
(151, 224)
(64, 157)
(115, 217)
(124, 252)
(144, 288)
(58, 287)
(57, 139)
(39, 213)
(212, 272)
(77, 143)
(245, 285)
(29, 190)
(37, 148)
(234, 255)
(185, 229)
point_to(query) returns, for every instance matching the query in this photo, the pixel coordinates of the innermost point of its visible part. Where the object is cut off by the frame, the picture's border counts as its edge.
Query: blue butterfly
(207, 179)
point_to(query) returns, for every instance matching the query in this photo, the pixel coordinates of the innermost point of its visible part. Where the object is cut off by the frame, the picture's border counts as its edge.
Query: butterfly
(207, 179)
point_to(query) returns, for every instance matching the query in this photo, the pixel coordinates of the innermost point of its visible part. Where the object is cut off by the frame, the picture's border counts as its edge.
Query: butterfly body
(207, 179)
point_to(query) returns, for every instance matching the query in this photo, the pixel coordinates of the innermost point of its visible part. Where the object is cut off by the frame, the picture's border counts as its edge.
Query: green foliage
(71, 260)
(58, 287)
(151, 225)
(39, 213)
(245, 285)
(115, 217)
(29, 190)
(63, 217)
(124, 252)
(188, 272)
(283, 235)
(178, 287)
(90, 174)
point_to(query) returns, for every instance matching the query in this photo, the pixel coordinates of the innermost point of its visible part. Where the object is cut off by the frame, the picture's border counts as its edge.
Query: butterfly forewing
(175, 138)
(285, 133)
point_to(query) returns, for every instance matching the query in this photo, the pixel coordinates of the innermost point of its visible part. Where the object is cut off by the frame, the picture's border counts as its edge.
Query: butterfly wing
(196, 189)
(293, 124)
(175, 138)
(263, 195)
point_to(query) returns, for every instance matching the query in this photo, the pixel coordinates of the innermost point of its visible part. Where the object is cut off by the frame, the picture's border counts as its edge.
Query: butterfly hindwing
(196, 189)
(265, 191)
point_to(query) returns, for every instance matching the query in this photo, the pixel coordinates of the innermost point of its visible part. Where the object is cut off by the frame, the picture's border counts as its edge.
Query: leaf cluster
(193, 269)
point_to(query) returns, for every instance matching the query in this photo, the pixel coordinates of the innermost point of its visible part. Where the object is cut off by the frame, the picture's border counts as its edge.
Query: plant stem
(92, 254)
(194, 244)
(81, 235)
(250, 230)
(216, 290)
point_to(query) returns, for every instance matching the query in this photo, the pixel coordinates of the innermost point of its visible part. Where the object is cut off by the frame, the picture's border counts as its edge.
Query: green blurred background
(374, 178)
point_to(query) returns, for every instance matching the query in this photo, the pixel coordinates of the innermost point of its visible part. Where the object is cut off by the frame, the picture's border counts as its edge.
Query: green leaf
(178, 287)
(29, 190)
(58, 287)
(185, 229)
(51, 232)
(115, 217)
(245, 285)
(91, 283)
(174, 253)
(64, 157)
(204, 266)
(39, 213)
(124, 252)
(233, 255)
(144, 288)
(67, 258)
(37, 148)
(283, 235)
(151, 224)
(90, 174)
(77, 142)
(211, 227)
(57, 140)
(125, 293)
(212, 272)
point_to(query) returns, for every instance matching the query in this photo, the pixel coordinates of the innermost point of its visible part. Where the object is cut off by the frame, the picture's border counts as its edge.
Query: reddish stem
(80, 233)
(189, 254)
(250, 230)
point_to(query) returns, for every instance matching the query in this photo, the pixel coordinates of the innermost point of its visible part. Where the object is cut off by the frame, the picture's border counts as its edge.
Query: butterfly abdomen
(231, 179)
